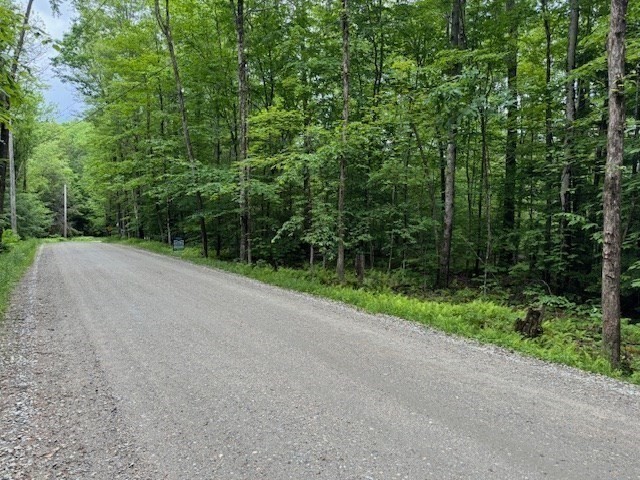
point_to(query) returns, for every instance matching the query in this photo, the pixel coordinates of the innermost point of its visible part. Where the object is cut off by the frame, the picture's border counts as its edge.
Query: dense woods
(442, 143)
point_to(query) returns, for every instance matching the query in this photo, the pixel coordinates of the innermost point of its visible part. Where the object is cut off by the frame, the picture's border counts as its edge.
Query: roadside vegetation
(571, 334)
(456, 154)
(15, 257)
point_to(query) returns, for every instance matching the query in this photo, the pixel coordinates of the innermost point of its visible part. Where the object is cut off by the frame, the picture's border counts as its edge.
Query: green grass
(80, 238)
(13, 264)
(573, 341)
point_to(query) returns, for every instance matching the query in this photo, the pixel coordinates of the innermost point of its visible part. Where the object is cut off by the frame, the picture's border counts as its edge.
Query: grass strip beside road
(14, 262)
(570, 341)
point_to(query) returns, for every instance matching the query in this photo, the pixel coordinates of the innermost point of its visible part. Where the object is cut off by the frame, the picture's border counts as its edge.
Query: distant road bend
(117, 363)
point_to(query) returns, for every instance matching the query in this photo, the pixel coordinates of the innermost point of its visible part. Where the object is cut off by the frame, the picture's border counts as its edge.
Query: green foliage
(13, 263)
(9, 239)
(34, 218)
(51, 156)
(9, 88)
(414, 99)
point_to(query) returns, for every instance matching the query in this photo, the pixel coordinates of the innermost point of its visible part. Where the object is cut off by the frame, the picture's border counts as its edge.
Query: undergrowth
(573, 340)
(15, 258)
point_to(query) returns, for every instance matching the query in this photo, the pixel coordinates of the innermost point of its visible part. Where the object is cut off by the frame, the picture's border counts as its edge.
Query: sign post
(178, 244)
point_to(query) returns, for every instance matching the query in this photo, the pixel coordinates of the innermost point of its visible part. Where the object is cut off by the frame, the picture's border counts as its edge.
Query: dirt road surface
(121, 364)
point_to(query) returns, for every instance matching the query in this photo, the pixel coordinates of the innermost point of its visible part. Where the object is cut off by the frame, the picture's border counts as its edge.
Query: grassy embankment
(13, 264)
(567, 339)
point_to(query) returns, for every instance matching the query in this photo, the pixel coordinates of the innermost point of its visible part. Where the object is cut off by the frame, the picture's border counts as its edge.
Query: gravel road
(122, 364)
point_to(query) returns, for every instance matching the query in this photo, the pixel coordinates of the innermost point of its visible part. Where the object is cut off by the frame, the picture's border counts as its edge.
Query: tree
(457, 40)
(7, 160)
(243, 132)
(438, 96)
(165, 26)
(612, 185)
(344, 22)
(570, 117)
(510, 167)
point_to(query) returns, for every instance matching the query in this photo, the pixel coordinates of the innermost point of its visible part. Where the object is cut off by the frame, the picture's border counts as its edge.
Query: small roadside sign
(178, 244)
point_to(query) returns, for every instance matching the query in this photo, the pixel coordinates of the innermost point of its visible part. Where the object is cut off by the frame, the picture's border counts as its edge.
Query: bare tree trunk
(169, 235)
(378, 52)
(4, 162)
(12, 188)
(476, 268)
(612, 180)
(243, 134)
(164, 165)
(344, 20)
(449, 197)
(636, 116)
(457, 41)
(486, 167)
(306, 168)
(548, 126)
(20, 45)
(165, 26)
(570, 113)
(510, 166)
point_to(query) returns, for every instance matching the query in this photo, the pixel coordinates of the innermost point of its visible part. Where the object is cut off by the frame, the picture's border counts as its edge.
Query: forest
(427, 144)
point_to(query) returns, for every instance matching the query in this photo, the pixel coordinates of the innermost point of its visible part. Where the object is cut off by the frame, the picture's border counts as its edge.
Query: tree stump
(531, 326)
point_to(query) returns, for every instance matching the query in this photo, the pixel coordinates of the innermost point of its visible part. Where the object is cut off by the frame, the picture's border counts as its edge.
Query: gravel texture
(118, 364)
(58, 415)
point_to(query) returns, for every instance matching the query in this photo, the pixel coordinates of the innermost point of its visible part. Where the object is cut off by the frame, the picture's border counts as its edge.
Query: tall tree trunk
(12, 189)
(510, 166)
(457, 41)
(20, 45)
(486, 185)
(378, 52)
(570, 116)
(243, 134)
(165, 26)
(6, 137)
(548, 126)
(164, 164)
(344, 20)
(636, 115)
(612, 180)
(4, 163)
(449, 198)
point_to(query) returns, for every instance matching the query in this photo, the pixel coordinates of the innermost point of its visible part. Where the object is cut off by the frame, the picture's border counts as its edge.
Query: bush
(9, 239)
(13, 264)
(34, 218)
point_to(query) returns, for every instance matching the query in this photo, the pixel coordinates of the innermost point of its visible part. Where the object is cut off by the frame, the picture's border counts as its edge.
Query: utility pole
(65, 210)
(12, 185)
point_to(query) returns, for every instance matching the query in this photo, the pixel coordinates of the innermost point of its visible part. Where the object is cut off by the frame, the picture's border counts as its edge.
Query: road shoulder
(58, 417)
